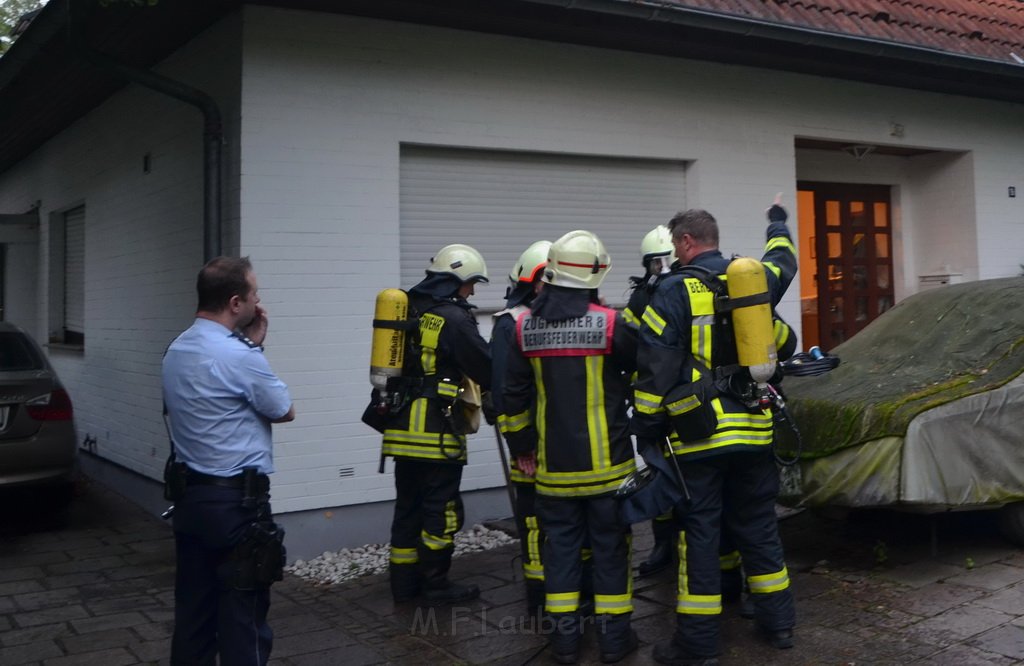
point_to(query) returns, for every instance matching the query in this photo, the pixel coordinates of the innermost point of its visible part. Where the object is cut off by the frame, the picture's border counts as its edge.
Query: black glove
(490, 413)
(777, 214)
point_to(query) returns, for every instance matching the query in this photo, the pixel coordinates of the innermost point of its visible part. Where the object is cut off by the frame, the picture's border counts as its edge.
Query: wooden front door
(853, 257)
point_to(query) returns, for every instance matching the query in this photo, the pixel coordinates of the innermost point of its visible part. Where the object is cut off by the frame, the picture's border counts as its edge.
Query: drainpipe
(213, 130)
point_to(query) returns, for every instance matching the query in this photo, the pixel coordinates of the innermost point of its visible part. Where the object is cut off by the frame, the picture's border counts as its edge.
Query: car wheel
(1011, 523)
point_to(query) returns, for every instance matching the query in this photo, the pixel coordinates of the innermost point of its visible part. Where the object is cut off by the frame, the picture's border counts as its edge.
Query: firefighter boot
(780, 639)
(405, 582)
(664, 547)
(671, 653)
(566, 632)
(677, 651)
(616, 638)
(436, 588)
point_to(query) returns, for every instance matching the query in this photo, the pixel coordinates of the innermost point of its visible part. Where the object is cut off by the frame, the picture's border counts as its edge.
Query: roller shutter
(500, 202)
(74, 270)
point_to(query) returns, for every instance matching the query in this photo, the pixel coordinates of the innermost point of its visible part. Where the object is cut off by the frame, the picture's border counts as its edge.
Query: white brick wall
(320, 108)
(143, 241)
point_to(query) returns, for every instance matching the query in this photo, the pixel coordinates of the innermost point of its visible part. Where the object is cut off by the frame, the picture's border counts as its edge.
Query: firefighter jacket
(639, 297)
(447, 349)
(565, 396)
(681, 343)
(503, 338)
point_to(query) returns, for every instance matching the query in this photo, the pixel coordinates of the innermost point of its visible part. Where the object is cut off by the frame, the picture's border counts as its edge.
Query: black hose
(806, 365)
(782, 417)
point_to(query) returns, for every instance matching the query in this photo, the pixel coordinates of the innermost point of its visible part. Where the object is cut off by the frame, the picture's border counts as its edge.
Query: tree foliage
(10, 12)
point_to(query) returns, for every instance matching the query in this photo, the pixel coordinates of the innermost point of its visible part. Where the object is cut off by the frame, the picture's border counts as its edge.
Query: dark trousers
(568, 522)
(428, 513)
(743, 485)
(211, 618)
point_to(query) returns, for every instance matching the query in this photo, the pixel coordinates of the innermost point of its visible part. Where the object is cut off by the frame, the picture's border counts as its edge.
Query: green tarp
(931, 349)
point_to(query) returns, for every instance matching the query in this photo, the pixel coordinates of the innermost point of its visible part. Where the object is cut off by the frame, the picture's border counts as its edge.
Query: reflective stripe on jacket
(565, 397)
(450, 348)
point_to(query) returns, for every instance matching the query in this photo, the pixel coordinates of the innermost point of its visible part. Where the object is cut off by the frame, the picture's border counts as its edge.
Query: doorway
(846, 259)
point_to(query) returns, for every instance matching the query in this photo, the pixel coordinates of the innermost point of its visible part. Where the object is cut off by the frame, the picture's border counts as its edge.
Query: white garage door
(500, 202)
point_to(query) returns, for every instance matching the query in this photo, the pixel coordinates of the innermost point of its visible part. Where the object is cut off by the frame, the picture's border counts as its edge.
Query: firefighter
(689, 388)
(425, 436)
(524, 284)
(657, 256)
(565, 395)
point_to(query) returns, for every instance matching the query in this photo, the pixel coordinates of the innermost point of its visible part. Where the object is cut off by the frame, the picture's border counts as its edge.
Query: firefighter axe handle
(505, 469)
(679, 472)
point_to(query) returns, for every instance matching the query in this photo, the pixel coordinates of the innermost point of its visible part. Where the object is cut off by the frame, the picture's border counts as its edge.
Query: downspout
(213, 129)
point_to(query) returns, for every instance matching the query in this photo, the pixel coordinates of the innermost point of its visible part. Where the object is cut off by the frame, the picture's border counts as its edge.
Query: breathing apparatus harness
(403, 380)
(735, 380)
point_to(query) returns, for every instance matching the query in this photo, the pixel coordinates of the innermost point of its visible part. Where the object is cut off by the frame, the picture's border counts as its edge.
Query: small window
(67, 277)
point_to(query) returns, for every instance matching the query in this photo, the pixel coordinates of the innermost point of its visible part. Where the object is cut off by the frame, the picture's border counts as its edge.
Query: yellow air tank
(755, 339)
(388, 351)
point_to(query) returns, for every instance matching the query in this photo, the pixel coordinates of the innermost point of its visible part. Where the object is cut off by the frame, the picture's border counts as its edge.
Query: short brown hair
(220, 279)
(700, 224)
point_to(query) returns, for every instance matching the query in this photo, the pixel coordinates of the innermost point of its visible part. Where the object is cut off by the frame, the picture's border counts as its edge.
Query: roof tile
(981, 28)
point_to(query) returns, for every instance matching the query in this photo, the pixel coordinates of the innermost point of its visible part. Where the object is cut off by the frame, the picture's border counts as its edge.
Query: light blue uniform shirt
(221, 396)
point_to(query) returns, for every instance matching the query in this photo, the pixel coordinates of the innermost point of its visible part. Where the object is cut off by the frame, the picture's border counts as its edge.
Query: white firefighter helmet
(657, 253)
(461, 261)
(657, 243)
(530, 263)
(577, 260)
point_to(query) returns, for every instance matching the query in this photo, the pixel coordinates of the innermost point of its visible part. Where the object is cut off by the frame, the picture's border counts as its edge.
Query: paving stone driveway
(93, 586)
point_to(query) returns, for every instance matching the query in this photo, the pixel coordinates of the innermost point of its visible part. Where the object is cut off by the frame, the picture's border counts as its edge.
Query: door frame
(864, 266)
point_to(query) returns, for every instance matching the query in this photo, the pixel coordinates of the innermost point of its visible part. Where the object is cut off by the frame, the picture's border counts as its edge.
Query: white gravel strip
(349, 563)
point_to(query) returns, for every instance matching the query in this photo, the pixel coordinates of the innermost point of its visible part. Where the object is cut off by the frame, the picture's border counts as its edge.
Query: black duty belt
(194, 478)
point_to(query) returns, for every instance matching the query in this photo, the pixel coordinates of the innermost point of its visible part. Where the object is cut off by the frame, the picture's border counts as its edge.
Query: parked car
(37, 430)
(924, 412)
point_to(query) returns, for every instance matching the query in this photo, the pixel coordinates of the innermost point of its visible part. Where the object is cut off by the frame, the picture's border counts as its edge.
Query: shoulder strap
(708, 278)
(723, 303)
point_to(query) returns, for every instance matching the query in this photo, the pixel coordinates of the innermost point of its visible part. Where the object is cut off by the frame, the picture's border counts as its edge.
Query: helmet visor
(660, 265)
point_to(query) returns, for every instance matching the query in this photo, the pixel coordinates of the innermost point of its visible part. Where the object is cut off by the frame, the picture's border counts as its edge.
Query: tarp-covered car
(925, 411)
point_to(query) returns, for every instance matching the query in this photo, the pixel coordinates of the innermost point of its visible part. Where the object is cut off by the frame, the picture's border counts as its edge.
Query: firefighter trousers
(428, 513)
(744, 485)
(568, 522)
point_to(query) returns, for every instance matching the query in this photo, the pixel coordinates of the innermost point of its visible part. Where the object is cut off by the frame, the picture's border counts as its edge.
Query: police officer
(426, 437)
(221, 398)
(524, 284)
(566, 390)
(728, 466)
